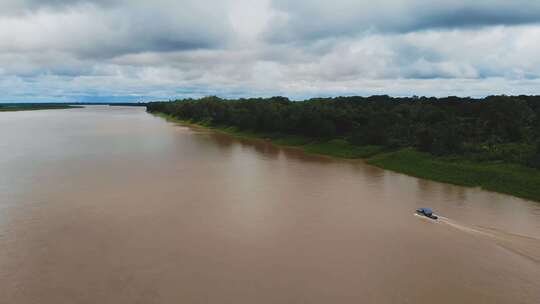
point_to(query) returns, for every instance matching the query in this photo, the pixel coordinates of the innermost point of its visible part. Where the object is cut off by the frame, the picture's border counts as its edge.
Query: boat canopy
(426, 211)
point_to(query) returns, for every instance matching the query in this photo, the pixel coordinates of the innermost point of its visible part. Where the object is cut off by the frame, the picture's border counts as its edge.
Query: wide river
(114, 205)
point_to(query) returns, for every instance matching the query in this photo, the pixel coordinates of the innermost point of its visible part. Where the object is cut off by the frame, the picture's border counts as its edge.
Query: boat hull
(429, 216)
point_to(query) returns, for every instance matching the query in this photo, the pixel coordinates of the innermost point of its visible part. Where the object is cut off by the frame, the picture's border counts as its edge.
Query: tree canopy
(494, 128)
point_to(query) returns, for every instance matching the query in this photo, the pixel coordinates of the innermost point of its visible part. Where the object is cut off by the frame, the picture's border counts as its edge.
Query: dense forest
(494, 128)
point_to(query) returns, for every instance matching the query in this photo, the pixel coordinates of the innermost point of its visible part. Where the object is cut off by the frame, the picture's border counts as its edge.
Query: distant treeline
(112, 104)
(40, 106)
(128, 104)
(494, 128)
(9, 107)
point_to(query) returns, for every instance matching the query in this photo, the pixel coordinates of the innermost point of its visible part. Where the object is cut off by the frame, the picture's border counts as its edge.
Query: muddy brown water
(113, 205)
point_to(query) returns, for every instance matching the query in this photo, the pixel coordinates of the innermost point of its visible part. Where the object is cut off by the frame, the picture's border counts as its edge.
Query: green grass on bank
(495, 176)
(341, 148)
(503, 177)
(33, 107)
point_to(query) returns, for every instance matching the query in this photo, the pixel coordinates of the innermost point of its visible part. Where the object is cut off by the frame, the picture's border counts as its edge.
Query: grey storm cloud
(169, 48)
(105, 29)
(17, 7)
(319, 19)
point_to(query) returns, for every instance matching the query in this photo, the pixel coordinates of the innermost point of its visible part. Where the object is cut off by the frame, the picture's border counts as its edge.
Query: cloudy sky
(124, 50)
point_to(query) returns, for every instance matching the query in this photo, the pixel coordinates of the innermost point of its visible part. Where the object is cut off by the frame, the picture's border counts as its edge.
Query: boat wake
(525, 246)
(462, 227)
